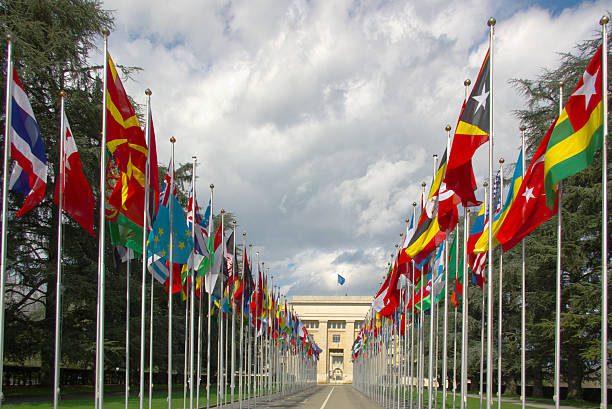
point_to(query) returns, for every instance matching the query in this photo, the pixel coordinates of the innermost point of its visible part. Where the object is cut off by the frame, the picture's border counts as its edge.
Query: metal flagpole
(7, 144)
(170, 274)
(483, 323)
(151, 342)
(241, 349)
(455, 343)
(99, 389)
(432, 317)
(523, 301)
(500, 307)
(557, 378)
(248, 344)
(143, 278)
(255, 371)
(58, 286)
(220, 337)
(446, 284)
(186, 345)
(414, 204)
(211, 233)
(233, 352)
(604, 218)
(199, 351)
(193, 283)
(464, 313)
(127, 329)
(491, 24)
(421, 332)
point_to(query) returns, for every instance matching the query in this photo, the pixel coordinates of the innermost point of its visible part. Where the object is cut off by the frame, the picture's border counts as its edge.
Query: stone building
(334, 322)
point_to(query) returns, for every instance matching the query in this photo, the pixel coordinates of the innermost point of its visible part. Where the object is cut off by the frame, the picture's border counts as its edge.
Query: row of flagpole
(375, 351)
(270, 358)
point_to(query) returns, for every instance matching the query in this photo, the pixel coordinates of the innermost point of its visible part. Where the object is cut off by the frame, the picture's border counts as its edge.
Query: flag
(77, 199)
(125, 140)
(482, 244)
(477, 261)
(578, 131)
(29, 175)
(428, 234)
(529, 209)
(153, 173)
(213, 262)
(341, 280)
(159, 237)
(472, 131)
(247, 278)
(455, 269)
(200, 233)
(387, 298)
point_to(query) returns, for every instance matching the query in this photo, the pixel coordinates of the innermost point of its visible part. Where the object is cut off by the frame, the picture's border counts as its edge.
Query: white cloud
(317, 120)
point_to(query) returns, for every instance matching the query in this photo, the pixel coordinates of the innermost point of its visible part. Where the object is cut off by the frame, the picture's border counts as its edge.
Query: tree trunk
(511, 387)
(574, 379)
(538, 387)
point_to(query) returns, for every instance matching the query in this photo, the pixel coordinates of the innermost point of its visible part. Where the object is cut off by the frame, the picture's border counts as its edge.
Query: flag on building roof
(341, 280)
(472, 131)
(578, 132)
(29, 175)
(77, 199)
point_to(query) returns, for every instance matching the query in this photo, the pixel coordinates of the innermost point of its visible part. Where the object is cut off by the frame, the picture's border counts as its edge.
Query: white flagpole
(145, 220)
(127, 329)
(412, 317)
(421, 330)
(170, 273)
(151, 342)
(233, 352)
(500, 307)
(7, 144)
(241, 347)
(464, 313)
(211, 231)
(199, 351)
(557, 378)
(193, 283)
(604, 217)
(186, 346)
(99, 390)
(432, 317)
(257, 288)
(522, 128)
(491, 24)
(482, 315)
(58, 286)
(220, 319)
(446, 284)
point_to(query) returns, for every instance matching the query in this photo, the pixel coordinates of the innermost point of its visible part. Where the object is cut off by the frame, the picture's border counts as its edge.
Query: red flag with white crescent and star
(529, 209)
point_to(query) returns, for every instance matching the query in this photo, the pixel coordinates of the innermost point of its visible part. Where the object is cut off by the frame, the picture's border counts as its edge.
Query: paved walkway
(318, 397)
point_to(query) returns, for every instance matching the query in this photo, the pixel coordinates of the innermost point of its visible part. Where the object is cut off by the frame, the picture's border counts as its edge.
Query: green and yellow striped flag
(578, 132)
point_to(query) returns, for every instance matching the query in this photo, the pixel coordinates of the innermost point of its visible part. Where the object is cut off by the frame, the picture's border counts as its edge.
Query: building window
(337, 360)
(337, 325)
(358, 325)
(311, 324)
(336, 338)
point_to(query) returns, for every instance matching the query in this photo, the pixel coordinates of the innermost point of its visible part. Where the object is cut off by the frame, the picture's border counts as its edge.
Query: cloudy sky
(317, 120)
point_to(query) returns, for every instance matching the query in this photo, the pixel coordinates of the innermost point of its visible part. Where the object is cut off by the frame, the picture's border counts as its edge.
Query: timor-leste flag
(529, 209)
(428, 234)
(472, 131)
(125, 140)
(578, 132)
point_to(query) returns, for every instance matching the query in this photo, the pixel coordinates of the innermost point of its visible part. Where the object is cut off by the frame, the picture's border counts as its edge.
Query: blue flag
(341, 280)
(182, 242)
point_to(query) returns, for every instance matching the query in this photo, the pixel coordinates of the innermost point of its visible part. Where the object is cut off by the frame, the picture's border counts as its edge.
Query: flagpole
(432, 313)
(522, 128)
(171, 272)
(604, 217)
(464, 313)
(455, 322)
(193, 282)
(241, 349)
(143, 291)
(187, 290)
(257, 368)
(199, 351)
(233, 351)
(211, 231)
(491, 24)
(446, 284)
(127, 329)
(421, 329)
(248, 344)
(220, 318)
(501, 274)
(58, 286)
(151, 342)
(99, 389)
(557, 379)
(489, 201)
(414, 205)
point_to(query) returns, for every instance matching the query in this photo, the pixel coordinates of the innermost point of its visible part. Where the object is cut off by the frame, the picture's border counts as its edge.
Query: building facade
(334, 322)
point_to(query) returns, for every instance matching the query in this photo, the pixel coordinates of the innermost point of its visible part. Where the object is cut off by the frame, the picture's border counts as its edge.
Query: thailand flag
(29, 176)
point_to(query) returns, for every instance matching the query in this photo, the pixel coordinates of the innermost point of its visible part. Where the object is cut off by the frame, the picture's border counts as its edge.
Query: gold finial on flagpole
(604, 20)
(148, 92)
(491, 22)
(447, 128)
(467, 82)
(172, 139)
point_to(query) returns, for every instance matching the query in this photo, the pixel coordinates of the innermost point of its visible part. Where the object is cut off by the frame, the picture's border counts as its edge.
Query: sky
(317, 120)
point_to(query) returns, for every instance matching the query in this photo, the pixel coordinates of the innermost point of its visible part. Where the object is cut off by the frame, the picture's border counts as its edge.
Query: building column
(323, 365)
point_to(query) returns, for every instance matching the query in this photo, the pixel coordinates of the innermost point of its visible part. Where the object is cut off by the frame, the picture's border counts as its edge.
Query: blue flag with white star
(182, 242)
